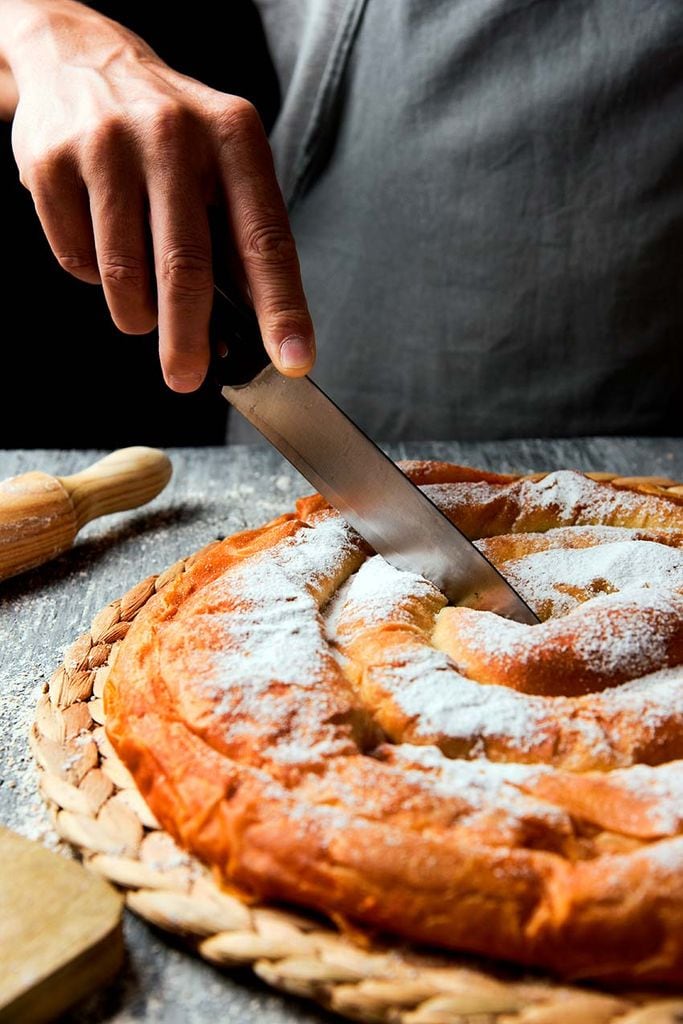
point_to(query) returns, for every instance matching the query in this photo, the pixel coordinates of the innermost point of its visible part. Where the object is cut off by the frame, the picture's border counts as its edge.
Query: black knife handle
(234, 327)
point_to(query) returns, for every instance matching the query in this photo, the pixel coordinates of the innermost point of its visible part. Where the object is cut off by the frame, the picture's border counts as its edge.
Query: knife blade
(369, 490)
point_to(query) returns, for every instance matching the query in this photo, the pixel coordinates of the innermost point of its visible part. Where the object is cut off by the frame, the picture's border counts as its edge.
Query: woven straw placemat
(99, 811)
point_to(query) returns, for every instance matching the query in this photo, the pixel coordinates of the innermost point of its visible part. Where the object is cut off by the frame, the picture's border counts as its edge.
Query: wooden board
(60, 931)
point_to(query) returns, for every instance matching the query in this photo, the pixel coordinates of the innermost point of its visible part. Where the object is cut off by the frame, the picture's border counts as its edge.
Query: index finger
(264, 242)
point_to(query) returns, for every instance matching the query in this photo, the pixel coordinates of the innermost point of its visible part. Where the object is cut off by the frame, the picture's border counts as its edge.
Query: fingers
(182, 261)
(93, 214)
(264, 241)
(61, 202)
(94, 200)
(119, 220)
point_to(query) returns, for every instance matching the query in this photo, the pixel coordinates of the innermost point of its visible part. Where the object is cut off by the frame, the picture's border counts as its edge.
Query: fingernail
(295, 352)
(185, 381)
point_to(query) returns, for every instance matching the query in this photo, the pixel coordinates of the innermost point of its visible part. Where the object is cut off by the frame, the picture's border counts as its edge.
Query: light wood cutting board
(60, 931)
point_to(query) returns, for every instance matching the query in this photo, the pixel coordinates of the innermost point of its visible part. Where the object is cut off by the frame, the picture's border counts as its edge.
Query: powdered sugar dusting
(628, 633)
(652, 700)
(661, 787)
(578, 499)
(571, 537)
(666, 857)
(565, 497)
(440, 701)
(314, 559)
(265, 648)
(466, 718)
(614, 636)
(575, 495)
(483, 787)
(469, 719)
(379, 588)
(256, 634)
(379, 593)
(274, 683)
(563, 578)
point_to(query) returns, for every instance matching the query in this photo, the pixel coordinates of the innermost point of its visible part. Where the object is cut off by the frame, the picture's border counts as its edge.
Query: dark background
(69, 378)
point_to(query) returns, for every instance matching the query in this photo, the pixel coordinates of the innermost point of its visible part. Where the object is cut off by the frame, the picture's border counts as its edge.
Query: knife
(379, 501)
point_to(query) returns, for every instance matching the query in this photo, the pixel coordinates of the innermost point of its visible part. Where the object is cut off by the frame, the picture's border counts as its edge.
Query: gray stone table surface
(214, 491)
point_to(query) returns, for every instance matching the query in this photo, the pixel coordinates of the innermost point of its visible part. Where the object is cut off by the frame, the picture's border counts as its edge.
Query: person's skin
(119, 151)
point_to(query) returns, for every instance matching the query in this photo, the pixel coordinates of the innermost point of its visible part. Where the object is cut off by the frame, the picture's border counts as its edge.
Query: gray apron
(487, 196)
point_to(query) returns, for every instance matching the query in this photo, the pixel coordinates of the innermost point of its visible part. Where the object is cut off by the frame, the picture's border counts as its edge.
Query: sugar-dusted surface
(661, 787)
(603, 642)
(213, 492)
(576, 497)
(440, 701)
(260, 664)
(499, 846)
(566, 496)
(247, 664)
(666, 858)
(561, 578)
(378, 590)
(480, 784)
(446, 703)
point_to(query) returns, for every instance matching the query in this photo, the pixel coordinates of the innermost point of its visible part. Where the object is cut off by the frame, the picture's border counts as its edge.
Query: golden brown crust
(305, 759)
(554, 660)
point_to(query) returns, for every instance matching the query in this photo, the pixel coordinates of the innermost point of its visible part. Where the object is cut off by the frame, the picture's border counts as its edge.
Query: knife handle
(234, 330)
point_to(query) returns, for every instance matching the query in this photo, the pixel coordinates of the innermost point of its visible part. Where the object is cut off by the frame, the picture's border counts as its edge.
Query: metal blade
(373, 495)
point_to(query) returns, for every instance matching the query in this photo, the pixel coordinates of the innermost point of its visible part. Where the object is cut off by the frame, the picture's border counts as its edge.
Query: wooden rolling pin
(40, 514)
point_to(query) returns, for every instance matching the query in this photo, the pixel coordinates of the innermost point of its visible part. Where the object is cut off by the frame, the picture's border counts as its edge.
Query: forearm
(15, 17)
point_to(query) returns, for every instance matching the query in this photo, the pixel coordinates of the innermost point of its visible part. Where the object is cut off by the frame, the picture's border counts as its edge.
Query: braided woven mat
(98, 810)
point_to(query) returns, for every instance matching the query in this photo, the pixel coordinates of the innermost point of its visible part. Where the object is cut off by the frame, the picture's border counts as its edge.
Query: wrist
(25, 24)
(43, 32)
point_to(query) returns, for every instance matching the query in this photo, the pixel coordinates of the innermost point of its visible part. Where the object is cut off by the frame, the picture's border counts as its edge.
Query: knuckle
(186, 272)
(42, 171)
(169, 121)
(121, 270)
(102, 139)
(240, 117)
(268, 242)
(284, 320)
(79, 262)
(35, 177)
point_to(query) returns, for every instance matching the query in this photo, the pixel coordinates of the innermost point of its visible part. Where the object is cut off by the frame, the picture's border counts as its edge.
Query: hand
(123, 157)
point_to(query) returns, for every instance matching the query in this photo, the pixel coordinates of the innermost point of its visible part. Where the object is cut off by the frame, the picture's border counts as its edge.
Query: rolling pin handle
(125, 479)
